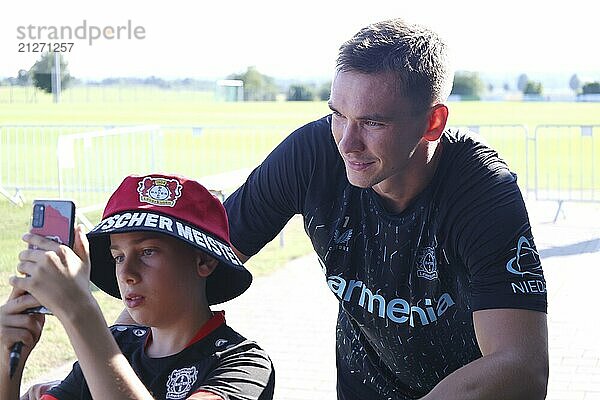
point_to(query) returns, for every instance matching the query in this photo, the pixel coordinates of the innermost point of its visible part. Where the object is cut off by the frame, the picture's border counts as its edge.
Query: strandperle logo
(85, 31)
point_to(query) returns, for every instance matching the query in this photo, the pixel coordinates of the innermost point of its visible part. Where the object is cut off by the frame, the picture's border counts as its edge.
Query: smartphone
(54, 219)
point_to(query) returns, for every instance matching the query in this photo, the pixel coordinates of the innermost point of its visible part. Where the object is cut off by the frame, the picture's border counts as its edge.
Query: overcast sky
(299, 39)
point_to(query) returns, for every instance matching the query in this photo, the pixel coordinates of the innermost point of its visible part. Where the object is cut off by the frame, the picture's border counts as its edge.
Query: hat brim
(229, 279)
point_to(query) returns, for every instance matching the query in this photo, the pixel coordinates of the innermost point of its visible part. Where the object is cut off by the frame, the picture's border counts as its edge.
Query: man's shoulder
(464, 149)
(323, 123)
(454, 135)
(318, 130)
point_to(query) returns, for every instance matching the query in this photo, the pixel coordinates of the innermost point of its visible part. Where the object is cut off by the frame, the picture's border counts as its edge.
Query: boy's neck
(166, 341)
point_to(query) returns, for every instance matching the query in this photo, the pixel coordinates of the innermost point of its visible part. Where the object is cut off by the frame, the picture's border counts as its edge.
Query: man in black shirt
(422, 232)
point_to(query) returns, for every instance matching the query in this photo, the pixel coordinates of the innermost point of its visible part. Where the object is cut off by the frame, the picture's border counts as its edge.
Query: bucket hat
(175, 206)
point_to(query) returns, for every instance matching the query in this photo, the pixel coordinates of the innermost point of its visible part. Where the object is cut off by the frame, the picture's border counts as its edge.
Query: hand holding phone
(55, 220)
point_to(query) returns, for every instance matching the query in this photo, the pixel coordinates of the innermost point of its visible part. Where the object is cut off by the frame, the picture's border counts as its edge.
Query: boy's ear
(438, 116)
(205, 264)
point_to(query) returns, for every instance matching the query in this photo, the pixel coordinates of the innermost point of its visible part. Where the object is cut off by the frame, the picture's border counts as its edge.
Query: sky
(296, 39)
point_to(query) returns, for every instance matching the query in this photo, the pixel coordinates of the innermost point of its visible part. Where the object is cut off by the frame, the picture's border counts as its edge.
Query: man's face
(157, 277)
(374, 127)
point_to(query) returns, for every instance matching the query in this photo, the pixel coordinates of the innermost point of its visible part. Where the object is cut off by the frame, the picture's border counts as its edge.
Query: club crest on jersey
(159, 191)
(180, 382)
(426, 263)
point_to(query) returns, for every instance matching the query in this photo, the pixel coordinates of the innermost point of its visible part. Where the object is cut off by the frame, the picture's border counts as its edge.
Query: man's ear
(438, 116)
(205, 264)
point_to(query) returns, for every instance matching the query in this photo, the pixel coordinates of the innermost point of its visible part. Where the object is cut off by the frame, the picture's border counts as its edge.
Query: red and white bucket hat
(175, 206)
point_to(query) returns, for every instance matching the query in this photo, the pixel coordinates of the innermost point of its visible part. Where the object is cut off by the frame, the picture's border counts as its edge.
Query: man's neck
(400, 190)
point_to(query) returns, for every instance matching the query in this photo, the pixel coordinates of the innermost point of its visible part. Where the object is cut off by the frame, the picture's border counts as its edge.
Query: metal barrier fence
(567, 163)
(28, 158)
(85, 163)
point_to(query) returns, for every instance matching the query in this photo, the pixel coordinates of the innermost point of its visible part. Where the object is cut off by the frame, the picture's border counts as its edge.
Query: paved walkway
(570, 251)
(291, 313)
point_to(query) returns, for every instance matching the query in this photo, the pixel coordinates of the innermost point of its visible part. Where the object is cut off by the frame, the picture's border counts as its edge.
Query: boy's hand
(17, 327)
(55, 275)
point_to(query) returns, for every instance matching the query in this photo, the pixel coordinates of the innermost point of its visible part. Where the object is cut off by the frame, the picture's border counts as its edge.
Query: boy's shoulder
(129, 330)
(129, 335)
(223, 339)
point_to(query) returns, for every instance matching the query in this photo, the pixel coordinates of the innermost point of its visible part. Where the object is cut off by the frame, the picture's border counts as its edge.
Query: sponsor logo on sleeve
(526, 265)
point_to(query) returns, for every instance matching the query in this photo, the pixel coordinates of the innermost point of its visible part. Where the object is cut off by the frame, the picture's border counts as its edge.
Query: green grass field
(233, 136)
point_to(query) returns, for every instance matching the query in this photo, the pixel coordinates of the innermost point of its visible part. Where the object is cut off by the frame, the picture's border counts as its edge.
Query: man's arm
(243, 258)
(514, 344)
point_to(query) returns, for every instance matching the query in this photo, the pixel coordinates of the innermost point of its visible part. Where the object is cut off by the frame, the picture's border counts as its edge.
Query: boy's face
(157, 277)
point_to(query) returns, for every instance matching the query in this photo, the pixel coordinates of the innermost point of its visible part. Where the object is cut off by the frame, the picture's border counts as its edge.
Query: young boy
(163, 248)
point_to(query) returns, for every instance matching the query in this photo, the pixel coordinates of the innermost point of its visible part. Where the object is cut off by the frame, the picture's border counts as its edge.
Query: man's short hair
(416, 54)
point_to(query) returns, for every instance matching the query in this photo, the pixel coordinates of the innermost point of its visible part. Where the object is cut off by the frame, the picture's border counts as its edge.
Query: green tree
(533, 88)
(257, 87)
(23, 78)
(591, 88)
(468, 85)
(575, 83)
(522, 82)
(41, 72)
(325, 91)
(301, 93)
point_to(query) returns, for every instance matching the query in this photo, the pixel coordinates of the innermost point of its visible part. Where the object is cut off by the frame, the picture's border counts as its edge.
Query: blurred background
(91, 93)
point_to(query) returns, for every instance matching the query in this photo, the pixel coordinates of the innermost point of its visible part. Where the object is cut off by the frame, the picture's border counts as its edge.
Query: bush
(325, 91)
(257, 87)
(467, 85)
(300, 93)
(533, 87)
(41, 72)
(591, 88)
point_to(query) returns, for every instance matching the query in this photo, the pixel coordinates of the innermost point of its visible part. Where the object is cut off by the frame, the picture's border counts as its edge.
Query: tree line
(260, 87)
(469, 85)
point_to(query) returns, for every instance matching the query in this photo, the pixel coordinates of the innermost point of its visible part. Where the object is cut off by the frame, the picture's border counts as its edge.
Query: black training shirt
(407, 283)
(220, 361)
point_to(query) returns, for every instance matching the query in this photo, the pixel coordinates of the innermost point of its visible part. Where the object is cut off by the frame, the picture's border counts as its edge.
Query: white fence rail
(85, 163)
(558, 163)
(567, 163)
